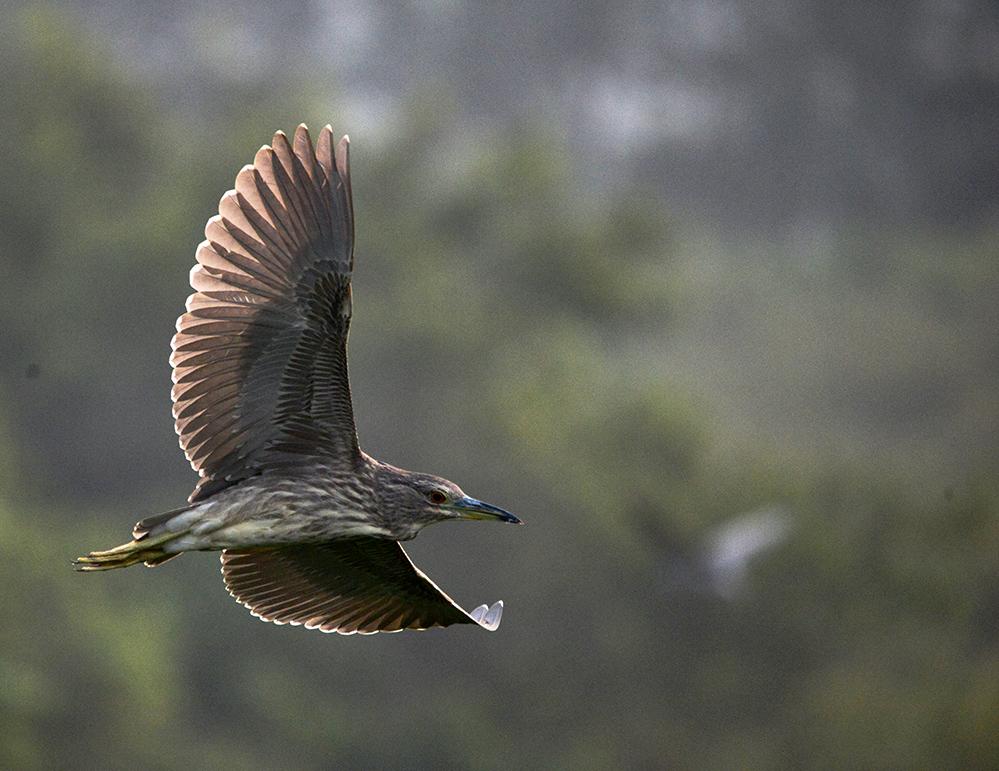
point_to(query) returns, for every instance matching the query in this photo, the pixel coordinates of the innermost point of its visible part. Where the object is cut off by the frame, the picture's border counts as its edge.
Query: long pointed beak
(470, 508)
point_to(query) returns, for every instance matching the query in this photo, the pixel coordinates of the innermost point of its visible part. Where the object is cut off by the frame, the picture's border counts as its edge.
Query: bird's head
(416, 500)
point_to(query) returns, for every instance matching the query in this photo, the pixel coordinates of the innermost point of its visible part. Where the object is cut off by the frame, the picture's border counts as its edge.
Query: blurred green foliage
(513, 331)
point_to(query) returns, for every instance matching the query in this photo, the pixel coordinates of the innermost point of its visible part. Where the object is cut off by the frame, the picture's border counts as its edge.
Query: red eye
(437, 497)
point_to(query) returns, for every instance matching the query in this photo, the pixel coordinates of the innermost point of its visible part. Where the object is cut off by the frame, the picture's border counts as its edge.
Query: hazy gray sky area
(707, 293)
(777, 117)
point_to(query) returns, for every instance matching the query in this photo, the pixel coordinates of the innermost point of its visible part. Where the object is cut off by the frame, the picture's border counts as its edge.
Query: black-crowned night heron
(308, 524)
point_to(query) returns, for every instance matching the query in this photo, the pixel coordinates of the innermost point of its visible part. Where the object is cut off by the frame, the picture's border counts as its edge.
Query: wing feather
(259, 359)
(357, 585)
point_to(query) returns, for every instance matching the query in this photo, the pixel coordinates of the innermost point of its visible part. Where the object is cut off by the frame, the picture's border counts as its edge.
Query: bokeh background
(707, 292)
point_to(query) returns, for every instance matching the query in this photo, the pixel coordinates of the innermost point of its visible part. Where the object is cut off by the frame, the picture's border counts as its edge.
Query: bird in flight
(309, 525)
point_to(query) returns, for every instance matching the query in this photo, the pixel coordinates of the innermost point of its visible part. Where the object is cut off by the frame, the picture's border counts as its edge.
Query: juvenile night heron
(308, 524)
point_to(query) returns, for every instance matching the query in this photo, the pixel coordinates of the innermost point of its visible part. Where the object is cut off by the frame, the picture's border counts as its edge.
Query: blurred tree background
(707, 292)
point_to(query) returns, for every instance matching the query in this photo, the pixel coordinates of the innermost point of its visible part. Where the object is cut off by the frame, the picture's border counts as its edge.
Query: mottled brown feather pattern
(259, 358)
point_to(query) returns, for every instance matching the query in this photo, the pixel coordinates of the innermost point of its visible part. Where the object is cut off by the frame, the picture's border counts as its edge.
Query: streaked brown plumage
(308, 524)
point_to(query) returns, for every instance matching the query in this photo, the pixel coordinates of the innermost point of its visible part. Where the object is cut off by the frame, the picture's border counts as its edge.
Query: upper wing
(363, 585)
(260, 357)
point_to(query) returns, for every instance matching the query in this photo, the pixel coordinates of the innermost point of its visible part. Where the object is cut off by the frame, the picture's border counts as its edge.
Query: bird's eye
(437, 497)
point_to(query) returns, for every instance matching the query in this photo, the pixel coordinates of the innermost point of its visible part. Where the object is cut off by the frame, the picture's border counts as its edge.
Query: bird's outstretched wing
(260, 357)
(362, 585)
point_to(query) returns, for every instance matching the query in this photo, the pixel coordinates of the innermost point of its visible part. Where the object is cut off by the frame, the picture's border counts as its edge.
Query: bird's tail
(149, 537)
